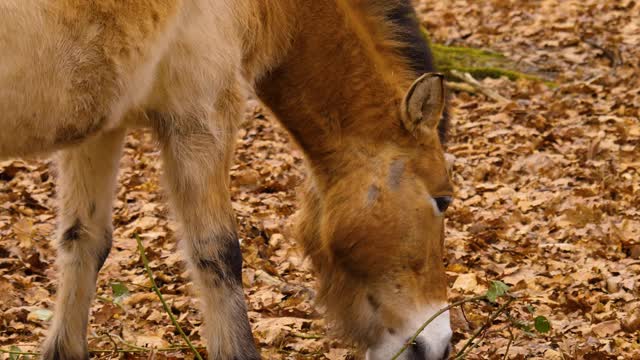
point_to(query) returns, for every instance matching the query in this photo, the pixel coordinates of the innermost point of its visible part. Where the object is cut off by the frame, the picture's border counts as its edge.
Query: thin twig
(307, 336)
(164, 303)
(115, 344)
(501, 309)
(11, 352)
(614, 57)
(101, 351)
(467, 78)
(134, 285)
(464, 315)
(130, 345)
(461, 87)
(506, 352)
(433, 317)
(106, 299)
(146, 350)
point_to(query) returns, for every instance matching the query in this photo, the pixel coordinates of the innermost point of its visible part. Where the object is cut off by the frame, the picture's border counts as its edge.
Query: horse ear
(423, 104)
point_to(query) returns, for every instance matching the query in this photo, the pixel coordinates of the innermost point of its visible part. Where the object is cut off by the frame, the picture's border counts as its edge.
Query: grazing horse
(351, 80)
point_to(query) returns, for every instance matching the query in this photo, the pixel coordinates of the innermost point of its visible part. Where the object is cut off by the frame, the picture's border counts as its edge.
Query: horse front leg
(86, 183)
(197, 161)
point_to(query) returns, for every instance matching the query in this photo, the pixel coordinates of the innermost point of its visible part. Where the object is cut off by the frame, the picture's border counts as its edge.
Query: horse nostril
(418, 350)
(447, 352)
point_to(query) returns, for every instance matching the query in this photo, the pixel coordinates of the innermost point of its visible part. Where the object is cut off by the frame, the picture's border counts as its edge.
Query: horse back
(72, 68)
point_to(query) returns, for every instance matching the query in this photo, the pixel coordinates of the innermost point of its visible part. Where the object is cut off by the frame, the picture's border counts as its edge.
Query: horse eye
(443, 202)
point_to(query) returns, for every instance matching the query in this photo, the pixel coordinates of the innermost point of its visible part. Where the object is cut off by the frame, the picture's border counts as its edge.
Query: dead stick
(115, 344)
(614, 58)
(506, 352)
(461, 87)
(164, 303)
(307, 336)
(467, 78)
(430, 320)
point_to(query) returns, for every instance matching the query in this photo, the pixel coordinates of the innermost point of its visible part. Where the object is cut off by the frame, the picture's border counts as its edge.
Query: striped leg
(87, 177)
(197, 175)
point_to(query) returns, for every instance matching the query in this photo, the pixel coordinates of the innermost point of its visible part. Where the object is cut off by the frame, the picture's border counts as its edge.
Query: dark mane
(415, 49)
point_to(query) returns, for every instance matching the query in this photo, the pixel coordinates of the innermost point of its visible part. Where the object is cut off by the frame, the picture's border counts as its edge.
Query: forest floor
(547, 201)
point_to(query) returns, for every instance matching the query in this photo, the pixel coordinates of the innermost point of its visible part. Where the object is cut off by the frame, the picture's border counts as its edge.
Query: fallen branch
(467, 78)
(483, 63)
(154, 286)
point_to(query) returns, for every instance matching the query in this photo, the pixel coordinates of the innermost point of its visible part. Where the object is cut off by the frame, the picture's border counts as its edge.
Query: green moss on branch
(478, 63)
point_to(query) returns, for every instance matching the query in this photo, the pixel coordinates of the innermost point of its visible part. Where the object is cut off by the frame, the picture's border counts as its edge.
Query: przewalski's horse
(344, 77)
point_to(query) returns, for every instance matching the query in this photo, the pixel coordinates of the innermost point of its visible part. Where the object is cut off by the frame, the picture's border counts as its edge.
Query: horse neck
(327, 90)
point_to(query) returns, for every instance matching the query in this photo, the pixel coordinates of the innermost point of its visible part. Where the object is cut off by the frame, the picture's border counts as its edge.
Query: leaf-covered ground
(548, 201)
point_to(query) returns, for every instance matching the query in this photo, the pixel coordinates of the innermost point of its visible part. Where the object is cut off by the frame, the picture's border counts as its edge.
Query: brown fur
(345, 114)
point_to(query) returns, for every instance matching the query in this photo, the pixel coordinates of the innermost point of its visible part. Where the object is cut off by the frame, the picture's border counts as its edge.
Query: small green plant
(542, 324)
(496, 289)
(119, 291)
(17, 354)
